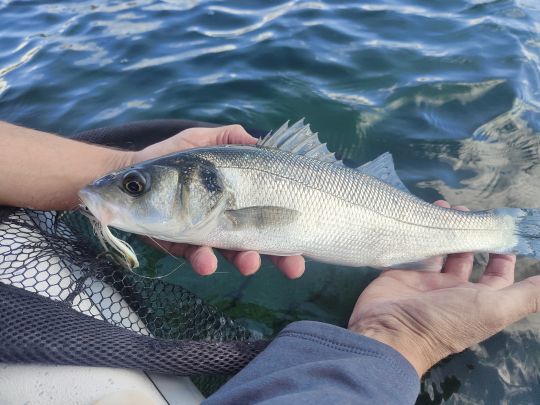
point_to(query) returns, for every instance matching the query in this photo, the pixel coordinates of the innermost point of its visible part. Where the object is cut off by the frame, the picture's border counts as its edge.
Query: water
(450, 88)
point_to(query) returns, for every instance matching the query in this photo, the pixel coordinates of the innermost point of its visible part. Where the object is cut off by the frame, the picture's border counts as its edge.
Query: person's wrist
(110, 160)
(124, 158)
(411, 348)
(103, 161)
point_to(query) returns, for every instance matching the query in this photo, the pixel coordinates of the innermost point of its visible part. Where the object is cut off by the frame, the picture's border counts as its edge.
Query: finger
(442, 203)
(496, 309)
(247, 263)
(520, 299)
(459, 264)
(202, 259)
(234, 134)
(290, 266)
(499, 271)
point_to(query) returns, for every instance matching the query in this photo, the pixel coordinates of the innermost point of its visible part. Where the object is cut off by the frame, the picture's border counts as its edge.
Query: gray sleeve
(312, 363)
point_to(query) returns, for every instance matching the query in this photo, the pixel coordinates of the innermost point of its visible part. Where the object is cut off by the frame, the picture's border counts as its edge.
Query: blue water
(451, 88)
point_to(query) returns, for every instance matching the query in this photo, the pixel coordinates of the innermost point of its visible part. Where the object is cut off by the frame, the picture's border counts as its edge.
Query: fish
(289, 195)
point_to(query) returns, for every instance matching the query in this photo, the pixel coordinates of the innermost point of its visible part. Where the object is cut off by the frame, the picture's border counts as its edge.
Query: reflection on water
(503, 157)
(452, 89)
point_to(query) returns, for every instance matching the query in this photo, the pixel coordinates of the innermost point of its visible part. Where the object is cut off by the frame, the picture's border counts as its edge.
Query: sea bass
(289, 195)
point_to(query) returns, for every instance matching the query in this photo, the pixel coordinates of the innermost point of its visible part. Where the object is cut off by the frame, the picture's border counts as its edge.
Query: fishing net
(65, 301)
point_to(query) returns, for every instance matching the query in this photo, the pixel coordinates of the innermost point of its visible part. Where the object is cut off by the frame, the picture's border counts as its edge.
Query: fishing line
(160, 277)
(182, 262)
(164, 249)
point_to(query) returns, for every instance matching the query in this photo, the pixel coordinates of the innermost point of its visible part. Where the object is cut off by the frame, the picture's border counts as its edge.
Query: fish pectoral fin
(261, 216)
(383, 168)
(432, 264)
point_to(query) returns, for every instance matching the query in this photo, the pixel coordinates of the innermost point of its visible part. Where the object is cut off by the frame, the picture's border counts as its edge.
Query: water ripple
(266, 17)
(25, 58)
(145, 63)
(407, 10)
(452, 89)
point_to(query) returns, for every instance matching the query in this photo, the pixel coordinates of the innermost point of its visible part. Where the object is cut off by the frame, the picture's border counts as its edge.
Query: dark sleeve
(312, 363)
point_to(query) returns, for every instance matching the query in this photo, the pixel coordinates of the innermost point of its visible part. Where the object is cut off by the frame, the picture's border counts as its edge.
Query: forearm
(44, 171)
(311, 362)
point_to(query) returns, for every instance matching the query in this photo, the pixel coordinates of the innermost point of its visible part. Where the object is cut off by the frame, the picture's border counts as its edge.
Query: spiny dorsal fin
(298, 139)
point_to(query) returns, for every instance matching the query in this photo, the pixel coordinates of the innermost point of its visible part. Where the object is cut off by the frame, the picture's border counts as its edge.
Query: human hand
(428, 316)
(202, 258)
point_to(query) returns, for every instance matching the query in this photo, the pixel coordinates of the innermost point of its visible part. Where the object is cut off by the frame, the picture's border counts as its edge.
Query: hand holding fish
(428, 316)
(45, 172)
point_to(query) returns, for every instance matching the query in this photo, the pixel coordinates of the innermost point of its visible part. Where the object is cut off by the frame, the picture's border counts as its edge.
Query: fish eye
(134, 183)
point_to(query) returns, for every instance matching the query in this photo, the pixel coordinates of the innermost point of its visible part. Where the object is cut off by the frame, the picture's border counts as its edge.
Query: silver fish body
(334, 214)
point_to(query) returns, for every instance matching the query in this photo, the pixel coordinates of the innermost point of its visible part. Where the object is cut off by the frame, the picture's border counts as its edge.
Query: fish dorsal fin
(298, 139)
(383, 168)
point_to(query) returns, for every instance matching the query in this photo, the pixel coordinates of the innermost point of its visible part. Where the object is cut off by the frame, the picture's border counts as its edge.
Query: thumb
(233, 134)
(520, 299)
(196, 137)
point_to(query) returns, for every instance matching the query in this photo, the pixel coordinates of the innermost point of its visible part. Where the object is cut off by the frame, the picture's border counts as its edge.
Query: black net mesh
(62, 301)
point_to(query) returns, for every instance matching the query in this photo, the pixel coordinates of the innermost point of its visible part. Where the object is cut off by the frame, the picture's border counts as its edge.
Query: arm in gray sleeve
(312, 362)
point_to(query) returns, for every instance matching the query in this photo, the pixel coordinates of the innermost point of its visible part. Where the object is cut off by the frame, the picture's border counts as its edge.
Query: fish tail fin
(527, 231)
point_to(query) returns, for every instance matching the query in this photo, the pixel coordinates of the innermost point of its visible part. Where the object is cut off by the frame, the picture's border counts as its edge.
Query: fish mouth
(100, 209)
